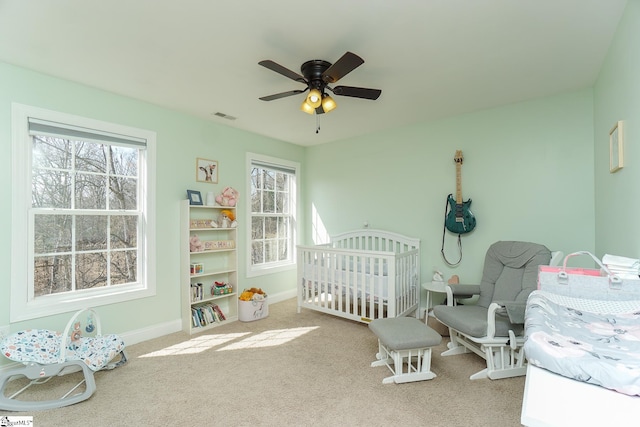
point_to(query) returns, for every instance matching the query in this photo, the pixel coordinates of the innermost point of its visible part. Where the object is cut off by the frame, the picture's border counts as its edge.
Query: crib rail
(361, 276)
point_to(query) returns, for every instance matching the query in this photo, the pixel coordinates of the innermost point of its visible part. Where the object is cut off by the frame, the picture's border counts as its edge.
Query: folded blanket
(597, 348)
(620, 261)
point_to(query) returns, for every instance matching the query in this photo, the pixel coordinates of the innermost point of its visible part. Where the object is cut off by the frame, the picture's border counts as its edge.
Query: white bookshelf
(219, 265)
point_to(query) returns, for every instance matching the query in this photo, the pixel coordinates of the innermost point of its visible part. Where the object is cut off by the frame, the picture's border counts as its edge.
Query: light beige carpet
(288, 369)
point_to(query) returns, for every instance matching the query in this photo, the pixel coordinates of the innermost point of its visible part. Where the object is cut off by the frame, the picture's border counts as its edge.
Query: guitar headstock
(458, 157)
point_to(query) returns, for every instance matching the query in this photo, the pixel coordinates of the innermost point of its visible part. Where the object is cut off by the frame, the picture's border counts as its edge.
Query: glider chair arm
(455, 291)
(513, 309)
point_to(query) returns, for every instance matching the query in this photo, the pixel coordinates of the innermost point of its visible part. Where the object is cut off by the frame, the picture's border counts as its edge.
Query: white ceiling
(431, 58)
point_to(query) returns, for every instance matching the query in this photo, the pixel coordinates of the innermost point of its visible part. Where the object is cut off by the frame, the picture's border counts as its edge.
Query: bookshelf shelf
(201, 309)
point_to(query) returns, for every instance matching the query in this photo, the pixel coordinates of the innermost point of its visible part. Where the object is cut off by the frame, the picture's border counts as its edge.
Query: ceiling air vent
(224, 116)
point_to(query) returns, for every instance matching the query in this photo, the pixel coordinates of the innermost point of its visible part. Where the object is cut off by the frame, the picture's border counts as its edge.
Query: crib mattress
(355, 279)
(595, 347)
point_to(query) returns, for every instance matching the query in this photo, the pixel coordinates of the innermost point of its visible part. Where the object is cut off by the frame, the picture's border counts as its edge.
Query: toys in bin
(253, 294)
(252, 305)
(221, 288)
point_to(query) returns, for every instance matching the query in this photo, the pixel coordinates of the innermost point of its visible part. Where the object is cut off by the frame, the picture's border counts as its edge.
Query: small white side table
(438, 287)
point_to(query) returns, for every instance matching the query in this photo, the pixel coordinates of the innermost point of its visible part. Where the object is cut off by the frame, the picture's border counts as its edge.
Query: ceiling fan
(317, 74)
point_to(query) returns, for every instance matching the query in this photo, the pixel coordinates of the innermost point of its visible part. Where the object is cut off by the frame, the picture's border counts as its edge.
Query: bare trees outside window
(82, 213)
(273, 191)
(85, 214)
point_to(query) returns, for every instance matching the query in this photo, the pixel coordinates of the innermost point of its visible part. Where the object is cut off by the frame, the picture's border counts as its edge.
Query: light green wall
(617, 97)
(180, 140)
(528, 169)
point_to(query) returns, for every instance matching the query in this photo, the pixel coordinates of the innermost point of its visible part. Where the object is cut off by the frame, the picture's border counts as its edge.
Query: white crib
(361, 275)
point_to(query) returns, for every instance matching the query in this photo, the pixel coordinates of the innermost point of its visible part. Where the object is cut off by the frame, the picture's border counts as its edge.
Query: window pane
(280, 202)
(269, 178)
(270, 227)
(257, 252)
(268, 201)
(91, 191)
(123, 267)
(282, 180)
(50, 152)
(52, 233)
(52, 275)
(124, 232)
(124, 161)
(271, 251)
(91, 270)
(283, 227)
(123, 193)
(51, 189)
(91, 232)
(91, 157)
(257, 228)
(256, 201)
(283, 250)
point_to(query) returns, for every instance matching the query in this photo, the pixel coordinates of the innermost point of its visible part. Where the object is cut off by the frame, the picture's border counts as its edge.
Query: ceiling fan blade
(282, 70)
(343, 66)
(281, 95)
(357, 92)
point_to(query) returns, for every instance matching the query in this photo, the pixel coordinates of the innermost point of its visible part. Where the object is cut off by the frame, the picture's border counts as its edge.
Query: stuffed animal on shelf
(195, 245)
(227, 219)
(228, 197)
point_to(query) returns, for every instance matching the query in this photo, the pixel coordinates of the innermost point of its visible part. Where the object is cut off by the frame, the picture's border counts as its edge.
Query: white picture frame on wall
(616, 147)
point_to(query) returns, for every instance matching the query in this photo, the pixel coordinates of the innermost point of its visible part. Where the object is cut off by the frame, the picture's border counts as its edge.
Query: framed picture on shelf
(194, 197)
(616, 148)
(207, 171)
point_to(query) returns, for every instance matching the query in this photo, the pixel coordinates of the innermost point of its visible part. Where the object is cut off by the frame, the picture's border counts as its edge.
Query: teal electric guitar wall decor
(459, 219)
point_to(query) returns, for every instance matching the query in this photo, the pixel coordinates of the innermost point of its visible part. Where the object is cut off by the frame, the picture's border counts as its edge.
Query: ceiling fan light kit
(317, 74)
(314, 99)
(307, 108)
(328, 103)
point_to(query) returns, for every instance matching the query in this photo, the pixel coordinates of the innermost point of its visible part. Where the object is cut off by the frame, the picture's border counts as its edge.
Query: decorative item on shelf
(202, 223)
(194, 197)
(221, 288)
(228, 219)
(211, 198)
(252, 305)
(228, 197)
(212, 245)
(197, 268)
(195, 245)
(207, 171)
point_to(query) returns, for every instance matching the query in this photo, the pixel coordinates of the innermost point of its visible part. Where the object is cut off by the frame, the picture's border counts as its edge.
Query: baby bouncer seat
(46, 354)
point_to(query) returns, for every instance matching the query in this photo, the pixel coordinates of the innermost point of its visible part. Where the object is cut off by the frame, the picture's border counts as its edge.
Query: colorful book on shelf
(219, 311)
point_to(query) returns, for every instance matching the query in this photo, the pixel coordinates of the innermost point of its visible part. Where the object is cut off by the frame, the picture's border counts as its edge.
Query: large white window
(83, 228)
(272, 209)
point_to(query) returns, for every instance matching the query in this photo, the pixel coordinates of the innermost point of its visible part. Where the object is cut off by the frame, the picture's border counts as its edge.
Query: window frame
(23, 305)
(262, 269)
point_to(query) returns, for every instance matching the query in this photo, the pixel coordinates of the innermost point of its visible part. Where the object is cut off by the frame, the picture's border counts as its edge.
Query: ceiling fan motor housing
(312, 71)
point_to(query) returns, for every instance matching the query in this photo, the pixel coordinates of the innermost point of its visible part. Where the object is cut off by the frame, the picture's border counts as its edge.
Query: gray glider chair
(493, 327)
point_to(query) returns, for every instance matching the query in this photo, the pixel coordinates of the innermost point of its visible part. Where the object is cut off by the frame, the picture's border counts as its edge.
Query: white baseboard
(156, 331)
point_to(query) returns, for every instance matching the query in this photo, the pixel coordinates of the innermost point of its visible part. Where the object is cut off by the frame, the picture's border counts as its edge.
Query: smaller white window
(272, 212)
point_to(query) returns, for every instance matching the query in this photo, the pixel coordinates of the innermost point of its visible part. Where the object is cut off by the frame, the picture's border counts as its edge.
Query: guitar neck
(458, 183)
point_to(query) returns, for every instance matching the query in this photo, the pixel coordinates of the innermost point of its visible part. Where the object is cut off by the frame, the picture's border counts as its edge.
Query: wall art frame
(616, 147)
(207, 171)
